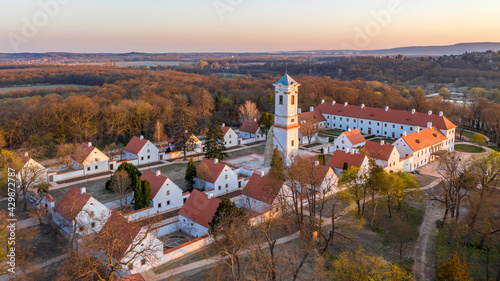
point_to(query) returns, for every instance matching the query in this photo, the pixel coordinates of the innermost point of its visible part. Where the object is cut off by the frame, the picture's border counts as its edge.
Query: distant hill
(456, 49)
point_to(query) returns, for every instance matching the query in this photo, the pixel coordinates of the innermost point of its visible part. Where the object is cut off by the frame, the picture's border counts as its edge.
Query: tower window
(292, 142)
(293, 100)
(281, 99)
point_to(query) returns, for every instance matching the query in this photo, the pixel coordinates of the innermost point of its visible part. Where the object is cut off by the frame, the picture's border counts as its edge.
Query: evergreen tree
(266, 121)
(138, 194)
(345, 167)
(224, 216)
(218, 101)
(146, 191)
(190, 174)
(214, 144)
(277, 169)
(322, 159)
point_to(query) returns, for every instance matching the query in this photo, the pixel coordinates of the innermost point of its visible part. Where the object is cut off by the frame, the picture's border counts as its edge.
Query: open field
(468, 148)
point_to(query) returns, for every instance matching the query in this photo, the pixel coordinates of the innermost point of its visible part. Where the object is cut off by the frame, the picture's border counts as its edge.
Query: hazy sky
(241, 25)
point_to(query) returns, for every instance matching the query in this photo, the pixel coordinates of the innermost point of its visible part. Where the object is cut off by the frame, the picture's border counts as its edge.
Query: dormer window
(281, 100)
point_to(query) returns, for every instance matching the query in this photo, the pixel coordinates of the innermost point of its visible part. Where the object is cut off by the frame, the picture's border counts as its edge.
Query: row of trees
(254, 251)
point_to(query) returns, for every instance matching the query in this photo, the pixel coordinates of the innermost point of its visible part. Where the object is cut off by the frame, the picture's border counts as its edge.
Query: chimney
(404, 133)
(386, 108)
(89, 144)
(440, 114)
(349, 130)
(158, 173)
(352, 152)
(333, 102)
(362, 105)
(347, 150)
(223, 125)
(185, 131)
(316, 163)
(382, 142)
(413, 111)
(345, 104)
(26, 154)
(216, 161)
(418, 129)
(210, 195)
(322, 101)
(299, 111)
(262, 174)
(83, 190)
(129, 219)
(255, 120)
(429, 125)
(141, 137)
(429, 112)
(311, 108)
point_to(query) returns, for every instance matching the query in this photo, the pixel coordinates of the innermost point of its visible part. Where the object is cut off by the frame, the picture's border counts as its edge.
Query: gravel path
(424, 266)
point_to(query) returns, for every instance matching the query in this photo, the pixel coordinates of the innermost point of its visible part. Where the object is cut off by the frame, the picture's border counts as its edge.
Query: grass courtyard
(468, 148)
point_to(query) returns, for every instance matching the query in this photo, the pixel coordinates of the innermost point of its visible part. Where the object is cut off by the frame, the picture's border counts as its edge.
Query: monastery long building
(384, 122)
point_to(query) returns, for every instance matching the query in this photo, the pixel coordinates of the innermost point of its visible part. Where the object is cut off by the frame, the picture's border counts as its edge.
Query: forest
(124, 102)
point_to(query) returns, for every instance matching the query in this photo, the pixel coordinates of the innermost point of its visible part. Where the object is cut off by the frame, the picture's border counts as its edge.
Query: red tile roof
(423, 139)
(49, 197)
(214, 170)
(378, 151)
(262, 188)
(250, 127)
(391, 115)
(135, 145)
(24, 157)
(116, 236)
(72, 203)
(82, 152)
(354, 136)
(155, 181)
(225, 129)
(319, 174)
(199, 208)
(340, 157)
(312, 116)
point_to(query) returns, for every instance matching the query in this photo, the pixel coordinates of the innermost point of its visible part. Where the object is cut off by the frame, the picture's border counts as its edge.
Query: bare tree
(64, 152)
(248, 112)
(159, 135)
(121, 184)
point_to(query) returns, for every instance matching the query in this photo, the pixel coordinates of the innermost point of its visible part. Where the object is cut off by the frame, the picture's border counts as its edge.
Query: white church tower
(286, 119)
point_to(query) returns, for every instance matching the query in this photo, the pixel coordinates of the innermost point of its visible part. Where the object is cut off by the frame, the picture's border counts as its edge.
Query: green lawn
(95, 188)
(468, 148)
(496, 148)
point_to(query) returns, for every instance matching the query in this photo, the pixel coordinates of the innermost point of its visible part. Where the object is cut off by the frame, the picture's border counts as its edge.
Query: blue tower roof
(286, 81)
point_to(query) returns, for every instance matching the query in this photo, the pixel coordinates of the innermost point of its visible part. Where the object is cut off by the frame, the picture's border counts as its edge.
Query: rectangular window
(369, 122)
(385, 125)
(361, 121)
(226, 177)
(143, 262)
(159, 205)
(292, 100)
(88, 168)
(168, 202)
(130, 266)
(401, 127)
(227, 185)
(149, 157)
(347, 119)
(92, 224)
(393, 126)
(239, 184)
(292, 143)
(220, 187)
(281, 100)
(96, 167)
(142, 158)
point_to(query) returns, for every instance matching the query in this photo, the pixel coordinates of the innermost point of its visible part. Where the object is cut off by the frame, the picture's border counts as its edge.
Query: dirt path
(424, 266)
